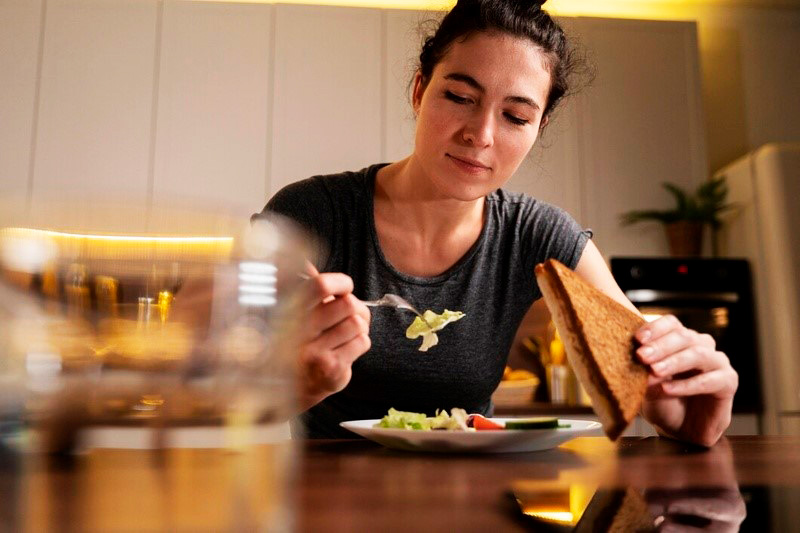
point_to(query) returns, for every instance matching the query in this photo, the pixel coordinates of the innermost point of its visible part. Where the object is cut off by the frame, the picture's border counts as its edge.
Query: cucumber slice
(543, 422)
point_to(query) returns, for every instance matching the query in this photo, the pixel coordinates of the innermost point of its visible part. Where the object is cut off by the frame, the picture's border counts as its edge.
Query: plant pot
(685, 238)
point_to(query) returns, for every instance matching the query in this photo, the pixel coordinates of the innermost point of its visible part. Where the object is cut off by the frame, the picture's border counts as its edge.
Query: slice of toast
(597, 333)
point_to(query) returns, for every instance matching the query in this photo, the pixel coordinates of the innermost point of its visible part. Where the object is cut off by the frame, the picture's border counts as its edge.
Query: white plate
(489, 441)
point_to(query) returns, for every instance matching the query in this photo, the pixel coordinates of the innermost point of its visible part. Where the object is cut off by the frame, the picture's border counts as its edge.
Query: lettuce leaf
(427, 328)
(455, 421)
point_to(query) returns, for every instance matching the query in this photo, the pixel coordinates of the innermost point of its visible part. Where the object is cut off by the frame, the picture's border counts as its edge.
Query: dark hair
(518, 18)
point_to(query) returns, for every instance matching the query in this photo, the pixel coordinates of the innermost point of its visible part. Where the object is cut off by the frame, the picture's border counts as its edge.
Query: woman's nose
(479, 130)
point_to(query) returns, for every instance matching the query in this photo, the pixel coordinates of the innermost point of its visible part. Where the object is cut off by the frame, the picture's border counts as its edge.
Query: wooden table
(356, 485)
(359, 486)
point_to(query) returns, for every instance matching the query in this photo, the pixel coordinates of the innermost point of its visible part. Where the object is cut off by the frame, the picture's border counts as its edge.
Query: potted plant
(685, 222)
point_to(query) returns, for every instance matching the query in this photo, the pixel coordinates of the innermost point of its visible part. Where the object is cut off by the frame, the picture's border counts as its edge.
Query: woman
(437, 228)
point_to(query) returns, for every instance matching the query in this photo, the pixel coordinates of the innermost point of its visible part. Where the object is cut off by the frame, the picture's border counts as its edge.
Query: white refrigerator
(765, 228)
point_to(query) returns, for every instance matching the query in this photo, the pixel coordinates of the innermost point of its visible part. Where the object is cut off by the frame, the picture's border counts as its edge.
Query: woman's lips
(470, 165)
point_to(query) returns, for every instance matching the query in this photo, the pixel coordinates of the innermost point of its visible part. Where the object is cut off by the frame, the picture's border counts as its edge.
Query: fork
(393, 300)
(387, 300)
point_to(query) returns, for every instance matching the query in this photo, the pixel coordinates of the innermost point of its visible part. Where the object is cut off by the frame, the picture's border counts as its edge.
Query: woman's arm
(691, 384)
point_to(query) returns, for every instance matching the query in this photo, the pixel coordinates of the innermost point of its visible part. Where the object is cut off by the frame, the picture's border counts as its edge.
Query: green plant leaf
(704, 205)
(632, 217)
(681, 197)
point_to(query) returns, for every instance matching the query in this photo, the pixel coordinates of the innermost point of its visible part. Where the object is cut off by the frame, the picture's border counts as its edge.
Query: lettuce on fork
(427, 328)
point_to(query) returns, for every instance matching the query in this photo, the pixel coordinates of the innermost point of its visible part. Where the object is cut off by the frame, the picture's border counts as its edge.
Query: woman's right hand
(335, 334)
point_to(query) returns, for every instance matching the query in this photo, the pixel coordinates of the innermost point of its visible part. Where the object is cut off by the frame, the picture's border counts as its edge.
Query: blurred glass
(177, 339)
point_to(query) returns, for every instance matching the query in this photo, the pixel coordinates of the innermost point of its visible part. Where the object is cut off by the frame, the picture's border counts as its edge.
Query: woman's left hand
(691, 385)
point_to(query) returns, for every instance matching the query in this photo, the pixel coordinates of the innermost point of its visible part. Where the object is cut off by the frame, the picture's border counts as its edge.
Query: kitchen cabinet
(20, 29)
(94, 125)
(327, 93)
(403, 39)
(639, 124)
(212, 110)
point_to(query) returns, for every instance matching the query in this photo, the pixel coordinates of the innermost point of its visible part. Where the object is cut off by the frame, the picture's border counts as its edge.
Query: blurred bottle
(77, 291)
(144, 313)
(556, 370)
(164, 303)
(106, 289)
(557, 355)
(562, 381)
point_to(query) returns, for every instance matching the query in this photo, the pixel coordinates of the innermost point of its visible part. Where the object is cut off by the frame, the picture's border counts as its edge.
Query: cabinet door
(213, 112)
(640, 125)
(327, 91)
(403, 34)
(20, 29)
(95, 111)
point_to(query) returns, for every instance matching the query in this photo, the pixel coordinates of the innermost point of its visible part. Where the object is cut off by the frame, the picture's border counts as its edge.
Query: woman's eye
(456, 98)
(516, 120)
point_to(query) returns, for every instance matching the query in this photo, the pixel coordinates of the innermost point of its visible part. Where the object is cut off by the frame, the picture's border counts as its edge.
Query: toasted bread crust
(598, 336)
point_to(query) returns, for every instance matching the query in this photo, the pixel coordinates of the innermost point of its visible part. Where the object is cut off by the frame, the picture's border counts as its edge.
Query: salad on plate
(459, 420)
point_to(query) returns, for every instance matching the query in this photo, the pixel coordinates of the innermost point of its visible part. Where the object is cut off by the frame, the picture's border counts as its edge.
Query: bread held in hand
(597, 332)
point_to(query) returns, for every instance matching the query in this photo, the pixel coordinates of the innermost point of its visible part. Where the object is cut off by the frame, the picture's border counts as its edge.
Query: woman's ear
(545, 121)
(417, 92)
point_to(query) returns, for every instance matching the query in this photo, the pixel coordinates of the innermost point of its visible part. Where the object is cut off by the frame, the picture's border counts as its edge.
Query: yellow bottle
(557, 350)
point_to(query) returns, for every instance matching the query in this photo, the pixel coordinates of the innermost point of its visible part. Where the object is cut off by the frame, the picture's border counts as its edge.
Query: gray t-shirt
(493, 284)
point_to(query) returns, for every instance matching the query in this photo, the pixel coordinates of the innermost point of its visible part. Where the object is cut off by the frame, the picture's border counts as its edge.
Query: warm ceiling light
(640, 9)
(119, 238)
(31, 250)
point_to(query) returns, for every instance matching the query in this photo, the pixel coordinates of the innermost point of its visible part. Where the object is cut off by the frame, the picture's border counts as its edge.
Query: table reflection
(699, 493)
(583, 508)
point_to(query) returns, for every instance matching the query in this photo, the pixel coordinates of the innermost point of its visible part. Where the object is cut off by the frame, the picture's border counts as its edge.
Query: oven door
(723, 316)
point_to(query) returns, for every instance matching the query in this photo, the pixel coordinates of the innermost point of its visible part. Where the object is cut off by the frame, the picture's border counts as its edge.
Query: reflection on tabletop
(591, 500)
(585, 508)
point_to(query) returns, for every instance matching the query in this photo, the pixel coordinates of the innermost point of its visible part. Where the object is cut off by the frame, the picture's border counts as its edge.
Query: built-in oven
(713, 296)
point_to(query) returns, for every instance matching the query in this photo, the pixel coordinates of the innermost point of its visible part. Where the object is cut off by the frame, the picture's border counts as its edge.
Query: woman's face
(479, 114)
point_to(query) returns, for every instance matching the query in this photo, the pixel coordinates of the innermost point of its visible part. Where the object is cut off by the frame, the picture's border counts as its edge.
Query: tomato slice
(480, 423)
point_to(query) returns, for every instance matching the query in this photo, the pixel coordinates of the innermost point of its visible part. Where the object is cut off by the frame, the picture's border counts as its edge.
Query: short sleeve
(307, 203)
(551, 233)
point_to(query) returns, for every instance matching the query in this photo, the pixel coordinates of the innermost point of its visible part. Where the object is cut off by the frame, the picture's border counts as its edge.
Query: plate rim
(593, 424)
(512, 440)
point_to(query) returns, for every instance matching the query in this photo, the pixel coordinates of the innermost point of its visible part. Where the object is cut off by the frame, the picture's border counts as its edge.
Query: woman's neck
(421, 232)
(407, 195)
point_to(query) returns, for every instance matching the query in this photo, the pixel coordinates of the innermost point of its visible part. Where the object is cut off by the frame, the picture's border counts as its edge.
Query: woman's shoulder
(516, 204)
(324, 188)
